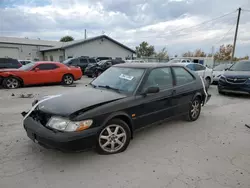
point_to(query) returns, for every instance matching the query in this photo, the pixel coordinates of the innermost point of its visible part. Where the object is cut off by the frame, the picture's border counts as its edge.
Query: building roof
(64, 45)
(26, 41)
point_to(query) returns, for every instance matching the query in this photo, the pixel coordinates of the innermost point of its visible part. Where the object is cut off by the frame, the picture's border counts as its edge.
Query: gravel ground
(213, 152)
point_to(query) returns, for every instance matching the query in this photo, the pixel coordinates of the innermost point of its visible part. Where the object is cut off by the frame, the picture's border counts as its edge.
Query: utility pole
(85, 34)
(236, 33)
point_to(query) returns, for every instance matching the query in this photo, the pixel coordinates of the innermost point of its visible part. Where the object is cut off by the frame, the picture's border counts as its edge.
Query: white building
(58, 51)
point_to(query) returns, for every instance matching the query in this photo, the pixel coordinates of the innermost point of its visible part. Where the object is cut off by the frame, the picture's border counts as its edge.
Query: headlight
(66, 125)
(222, 76)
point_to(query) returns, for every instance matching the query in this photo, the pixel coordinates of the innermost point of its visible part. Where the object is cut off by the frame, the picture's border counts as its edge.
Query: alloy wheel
(12, 83)
(68, 79)
(112, 138)
(195, 110)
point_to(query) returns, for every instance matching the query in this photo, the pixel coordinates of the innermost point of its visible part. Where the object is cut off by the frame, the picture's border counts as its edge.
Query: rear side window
(92, 61)
(199, 67)
(191, 67)
(83, 61)
(182, 76)
(48, 66)
(159, 77)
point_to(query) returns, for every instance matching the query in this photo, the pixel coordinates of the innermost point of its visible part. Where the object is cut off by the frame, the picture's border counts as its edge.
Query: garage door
(9, 52)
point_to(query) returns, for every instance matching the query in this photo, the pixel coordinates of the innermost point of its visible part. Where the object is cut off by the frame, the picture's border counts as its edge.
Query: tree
(163, 54)
(66, 39)
(224, 53)
(188, 54)
(199, 53)
(144, 49)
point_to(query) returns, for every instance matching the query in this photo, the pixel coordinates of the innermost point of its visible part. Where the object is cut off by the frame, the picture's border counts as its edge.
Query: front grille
(40, 116)
(237, 80)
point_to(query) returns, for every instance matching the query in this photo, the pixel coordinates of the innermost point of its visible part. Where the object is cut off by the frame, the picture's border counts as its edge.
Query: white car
(177, 60)
(219, 70)
(205, 72)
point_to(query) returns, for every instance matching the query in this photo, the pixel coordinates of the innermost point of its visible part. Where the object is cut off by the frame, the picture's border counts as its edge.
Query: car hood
(237, 74)
(78, 100)
(9, 70)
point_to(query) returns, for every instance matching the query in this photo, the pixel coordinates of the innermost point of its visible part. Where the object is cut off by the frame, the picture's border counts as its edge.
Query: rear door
(200, 70)
(184, 89)
(156, 106)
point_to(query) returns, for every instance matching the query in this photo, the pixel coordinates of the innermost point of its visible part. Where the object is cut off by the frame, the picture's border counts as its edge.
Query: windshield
(67, 61)
(221, 67)
(101, 62)
(121, 79)
(240, 66)
(27, 66)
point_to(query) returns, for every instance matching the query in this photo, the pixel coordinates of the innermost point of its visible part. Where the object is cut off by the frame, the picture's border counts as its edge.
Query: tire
(194, 106)
(68, 79)
(11, 83)
(113, 138)
(207, 82)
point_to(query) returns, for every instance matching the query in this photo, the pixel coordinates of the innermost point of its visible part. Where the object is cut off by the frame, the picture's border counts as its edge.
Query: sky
(173, 24)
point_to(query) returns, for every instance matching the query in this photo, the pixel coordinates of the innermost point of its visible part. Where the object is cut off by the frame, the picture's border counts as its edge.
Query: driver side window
(159, 77)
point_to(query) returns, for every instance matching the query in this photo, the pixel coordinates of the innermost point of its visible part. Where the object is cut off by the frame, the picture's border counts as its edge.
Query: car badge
(235, 79)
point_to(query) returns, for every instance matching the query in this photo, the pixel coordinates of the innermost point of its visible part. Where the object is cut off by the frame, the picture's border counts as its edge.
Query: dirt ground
(213, 152)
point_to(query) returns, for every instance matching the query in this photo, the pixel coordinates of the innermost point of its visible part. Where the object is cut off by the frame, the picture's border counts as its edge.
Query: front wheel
(114, 137)
(194, 110)
(68, 79)
(11, 83)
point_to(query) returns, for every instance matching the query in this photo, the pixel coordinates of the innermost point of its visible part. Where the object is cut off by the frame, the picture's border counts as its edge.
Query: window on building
(51, 58)
(61, 58)
(182, 76)
(160, 77)
(47, 66)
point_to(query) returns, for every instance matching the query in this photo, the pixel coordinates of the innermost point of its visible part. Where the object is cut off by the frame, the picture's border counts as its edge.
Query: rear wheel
(68, 79)
(194, 110)
(11, 83)
(114, 137)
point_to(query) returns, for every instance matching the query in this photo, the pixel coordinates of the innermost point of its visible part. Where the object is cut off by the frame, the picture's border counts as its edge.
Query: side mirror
(152, 90)
(226, 69)
(37, 69)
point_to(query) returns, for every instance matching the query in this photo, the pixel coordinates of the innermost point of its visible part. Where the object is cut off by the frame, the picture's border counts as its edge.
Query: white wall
(55, 54)
(104, 48)
(21, 51)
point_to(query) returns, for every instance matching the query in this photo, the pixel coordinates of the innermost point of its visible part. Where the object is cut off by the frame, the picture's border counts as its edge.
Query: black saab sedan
(236, 79)
(105, 113)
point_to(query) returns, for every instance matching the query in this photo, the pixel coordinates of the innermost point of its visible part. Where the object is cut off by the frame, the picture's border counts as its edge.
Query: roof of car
(149, 65)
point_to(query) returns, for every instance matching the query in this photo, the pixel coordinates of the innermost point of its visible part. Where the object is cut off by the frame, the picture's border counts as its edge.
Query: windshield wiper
(108, 87)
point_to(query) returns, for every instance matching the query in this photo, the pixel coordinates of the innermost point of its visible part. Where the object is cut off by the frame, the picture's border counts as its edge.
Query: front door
(157, 106)
(45, 74)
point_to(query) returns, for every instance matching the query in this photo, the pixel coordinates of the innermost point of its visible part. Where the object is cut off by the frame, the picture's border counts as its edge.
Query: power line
(205, 22)
(225, 34)
(246, 10)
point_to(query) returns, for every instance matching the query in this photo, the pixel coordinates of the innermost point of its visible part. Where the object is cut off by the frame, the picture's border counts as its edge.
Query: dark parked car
(9, 63)
(236, 79)
(102, 58)
(94, 70)
(105, 114)
(25, 62)
(81, 62)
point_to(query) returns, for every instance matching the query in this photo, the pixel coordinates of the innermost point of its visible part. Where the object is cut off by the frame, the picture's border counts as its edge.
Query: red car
(39, 73)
